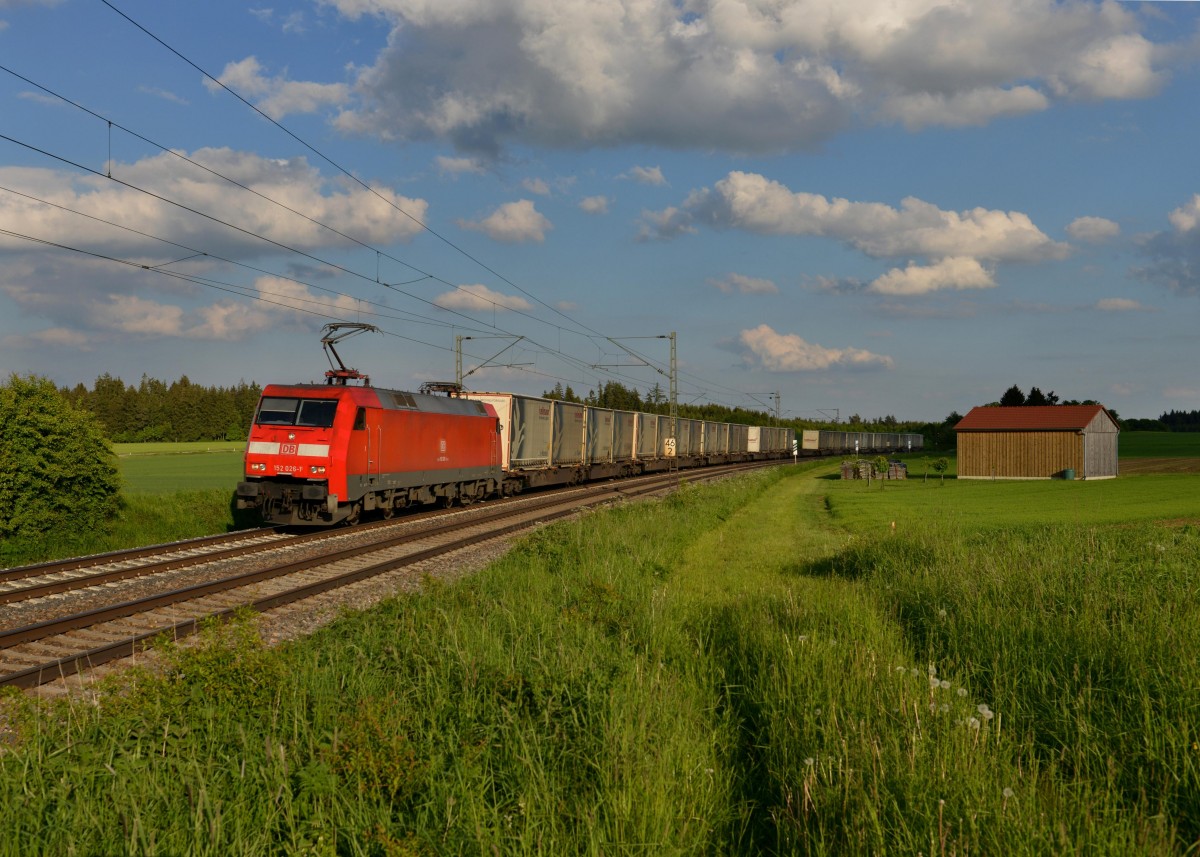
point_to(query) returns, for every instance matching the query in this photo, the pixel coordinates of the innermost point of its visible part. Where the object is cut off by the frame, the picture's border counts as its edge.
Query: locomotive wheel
(355, 515)
(388, 511)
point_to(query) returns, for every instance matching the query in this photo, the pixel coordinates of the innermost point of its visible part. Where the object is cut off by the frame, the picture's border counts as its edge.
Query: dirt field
(1131, 466)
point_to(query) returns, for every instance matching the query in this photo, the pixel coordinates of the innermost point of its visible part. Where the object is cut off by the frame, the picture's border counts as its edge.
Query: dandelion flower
(982, 708)
(942, 613)
(943, 708)
(973, 723)
(945, 685)
(1008, 793)
(962, 691)
(810, 761)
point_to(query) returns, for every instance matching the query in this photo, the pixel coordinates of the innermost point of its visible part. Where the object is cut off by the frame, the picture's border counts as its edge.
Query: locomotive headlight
(316, 468)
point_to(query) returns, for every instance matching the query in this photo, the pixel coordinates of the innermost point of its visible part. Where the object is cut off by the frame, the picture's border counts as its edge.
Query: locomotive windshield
(316, 413)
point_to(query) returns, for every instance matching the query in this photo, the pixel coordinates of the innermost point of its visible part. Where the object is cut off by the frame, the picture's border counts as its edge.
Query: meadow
(1160, 444)
(166, 468)
(764, 666)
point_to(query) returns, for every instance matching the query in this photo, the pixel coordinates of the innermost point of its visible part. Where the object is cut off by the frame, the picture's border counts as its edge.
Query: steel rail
(71, 664)
(18, 572)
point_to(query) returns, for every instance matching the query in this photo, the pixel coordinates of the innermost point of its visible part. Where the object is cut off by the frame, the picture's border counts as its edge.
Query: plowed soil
(1130, 466)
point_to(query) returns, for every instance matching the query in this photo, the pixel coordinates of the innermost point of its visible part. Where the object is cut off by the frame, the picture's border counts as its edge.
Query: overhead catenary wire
(406, 315)
(227, 288)
(570, 360)
(343, 170)
(425, 275)
(577, 364)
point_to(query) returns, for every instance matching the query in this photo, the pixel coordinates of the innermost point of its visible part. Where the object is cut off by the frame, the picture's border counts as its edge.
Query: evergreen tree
(1013, 397)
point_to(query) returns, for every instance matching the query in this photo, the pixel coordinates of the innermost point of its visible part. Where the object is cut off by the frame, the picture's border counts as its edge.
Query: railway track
(267, 571)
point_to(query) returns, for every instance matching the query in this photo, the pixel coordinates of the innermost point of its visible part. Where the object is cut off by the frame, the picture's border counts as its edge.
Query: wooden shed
(1036, 442)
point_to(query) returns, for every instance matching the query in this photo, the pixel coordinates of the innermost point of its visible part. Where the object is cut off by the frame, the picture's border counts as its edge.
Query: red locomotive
(320, 454)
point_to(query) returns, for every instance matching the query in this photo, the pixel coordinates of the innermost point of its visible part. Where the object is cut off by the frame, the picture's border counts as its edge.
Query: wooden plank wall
(1019, 455)
(1100, 454)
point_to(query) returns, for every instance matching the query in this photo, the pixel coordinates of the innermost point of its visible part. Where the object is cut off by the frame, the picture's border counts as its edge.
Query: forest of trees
(156, 411)
(1180, 421)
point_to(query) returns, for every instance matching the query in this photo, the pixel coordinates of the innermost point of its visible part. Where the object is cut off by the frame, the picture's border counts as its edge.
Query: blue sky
(880, 207)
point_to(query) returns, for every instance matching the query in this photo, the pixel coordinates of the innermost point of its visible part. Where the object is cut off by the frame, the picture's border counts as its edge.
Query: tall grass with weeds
(142, 519)
(726, 672)
(1085, 639)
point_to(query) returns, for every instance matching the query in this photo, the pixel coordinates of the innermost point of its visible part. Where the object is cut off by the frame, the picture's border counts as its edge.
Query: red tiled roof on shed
(1031, 418)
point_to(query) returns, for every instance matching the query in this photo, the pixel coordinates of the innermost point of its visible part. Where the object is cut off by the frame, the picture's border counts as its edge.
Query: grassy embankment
(171, 491)
(760, 667)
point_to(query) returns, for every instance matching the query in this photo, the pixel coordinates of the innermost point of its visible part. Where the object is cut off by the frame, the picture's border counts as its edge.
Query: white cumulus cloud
(745, 285)
(1118, 305)
(734, 75)
(479, 298)
(458, 166)
(594, 204)
(1187, 216)
(538, 186)
(1094, 230)
(277, 96)
(953, 273)
(372, 216)
(787, 352)
(512, 223)
(957, 246)
(646, 175)
(754, 203)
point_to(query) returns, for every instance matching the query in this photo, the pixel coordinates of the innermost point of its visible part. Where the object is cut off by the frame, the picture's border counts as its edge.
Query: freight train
(322, 454)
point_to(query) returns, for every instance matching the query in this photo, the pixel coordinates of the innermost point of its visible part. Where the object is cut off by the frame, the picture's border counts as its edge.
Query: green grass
(166, 468)
(760, 667)
(137, 450)
(1159, 444)
(984, 504)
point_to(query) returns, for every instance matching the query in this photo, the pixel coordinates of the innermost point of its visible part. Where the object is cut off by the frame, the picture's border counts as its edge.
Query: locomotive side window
(360, 419)
(317, 413)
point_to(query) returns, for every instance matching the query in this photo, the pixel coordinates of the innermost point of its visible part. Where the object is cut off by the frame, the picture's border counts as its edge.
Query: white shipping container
(600, 428)
(568, 439)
